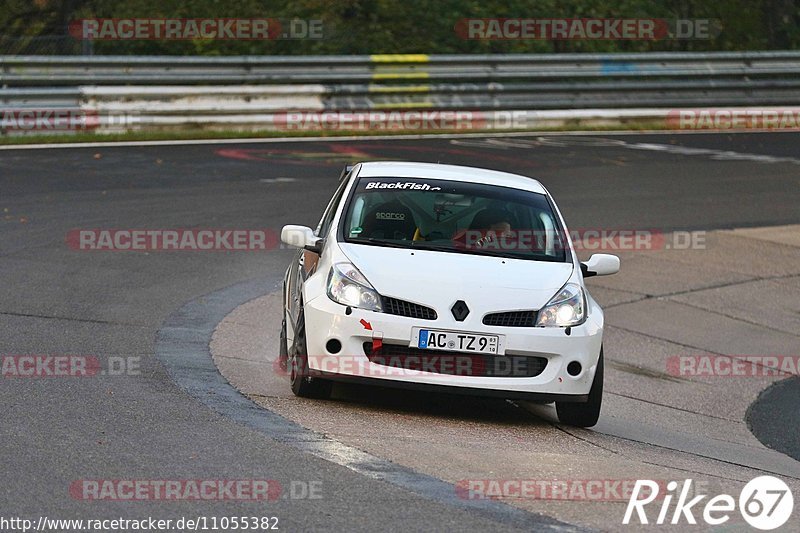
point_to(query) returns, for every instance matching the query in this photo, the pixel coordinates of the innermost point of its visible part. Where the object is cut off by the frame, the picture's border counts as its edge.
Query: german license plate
(457, 341)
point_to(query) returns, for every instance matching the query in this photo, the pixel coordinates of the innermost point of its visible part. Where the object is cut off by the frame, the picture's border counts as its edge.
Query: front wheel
(303, 384)
(585, 414)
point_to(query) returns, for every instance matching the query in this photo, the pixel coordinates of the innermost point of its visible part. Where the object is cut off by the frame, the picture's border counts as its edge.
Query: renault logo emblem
(460, 310)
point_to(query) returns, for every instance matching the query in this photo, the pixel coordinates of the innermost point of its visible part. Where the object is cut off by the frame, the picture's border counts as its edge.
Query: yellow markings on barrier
(400, 96)
(400, 75)
(399, 88)
(400, 66)
(399, 58)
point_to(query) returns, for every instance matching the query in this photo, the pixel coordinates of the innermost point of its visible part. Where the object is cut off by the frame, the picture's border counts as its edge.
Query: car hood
(439, 279)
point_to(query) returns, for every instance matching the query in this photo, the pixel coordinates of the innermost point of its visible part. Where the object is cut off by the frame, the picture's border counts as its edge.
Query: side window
(325, 222)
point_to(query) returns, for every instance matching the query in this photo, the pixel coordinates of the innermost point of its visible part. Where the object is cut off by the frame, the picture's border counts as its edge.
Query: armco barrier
(257, 92)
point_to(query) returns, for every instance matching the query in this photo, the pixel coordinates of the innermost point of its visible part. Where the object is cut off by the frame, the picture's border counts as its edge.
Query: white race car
(446, 278)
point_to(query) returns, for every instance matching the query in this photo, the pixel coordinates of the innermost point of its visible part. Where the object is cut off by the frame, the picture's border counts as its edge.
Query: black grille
(511, 319)
(393, 306)
(456, 363)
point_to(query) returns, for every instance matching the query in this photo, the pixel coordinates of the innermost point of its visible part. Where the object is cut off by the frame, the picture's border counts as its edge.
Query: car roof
(404, 169)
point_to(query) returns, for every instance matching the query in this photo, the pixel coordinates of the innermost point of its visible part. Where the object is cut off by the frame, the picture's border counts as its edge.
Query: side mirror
(301, 237)
(600, 265)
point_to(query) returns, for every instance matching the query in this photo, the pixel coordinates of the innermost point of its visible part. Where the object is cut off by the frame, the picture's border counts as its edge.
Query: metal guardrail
(190, 88)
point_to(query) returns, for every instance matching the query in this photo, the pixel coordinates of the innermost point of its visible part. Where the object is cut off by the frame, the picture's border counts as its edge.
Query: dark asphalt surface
(775, 417)
(54, 300)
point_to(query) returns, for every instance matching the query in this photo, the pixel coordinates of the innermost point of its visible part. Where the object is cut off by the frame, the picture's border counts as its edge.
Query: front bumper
(327, 320)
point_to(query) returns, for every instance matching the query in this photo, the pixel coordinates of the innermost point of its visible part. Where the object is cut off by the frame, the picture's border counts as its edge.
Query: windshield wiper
(382, 242)
(423, 245)
(444, 248)
(487, 252)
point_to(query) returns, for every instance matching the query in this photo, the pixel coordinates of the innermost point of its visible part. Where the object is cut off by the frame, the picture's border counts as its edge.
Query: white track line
(416, 136)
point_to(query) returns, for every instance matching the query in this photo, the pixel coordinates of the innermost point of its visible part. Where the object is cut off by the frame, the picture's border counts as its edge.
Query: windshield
(453, 216)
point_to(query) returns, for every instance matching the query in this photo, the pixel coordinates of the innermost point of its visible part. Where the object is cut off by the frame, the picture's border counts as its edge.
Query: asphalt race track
(170, 415)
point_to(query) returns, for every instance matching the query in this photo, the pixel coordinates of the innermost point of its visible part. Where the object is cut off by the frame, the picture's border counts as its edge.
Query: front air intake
(393, 306)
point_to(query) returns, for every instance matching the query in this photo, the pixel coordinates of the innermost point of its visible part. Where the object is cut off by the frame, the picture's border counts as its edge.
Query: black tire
(585, 414)
(303, 384)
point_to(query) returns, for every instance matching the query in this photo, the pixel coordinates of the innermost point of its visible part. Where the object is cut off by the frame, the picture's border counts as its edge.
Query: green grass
(233, 134)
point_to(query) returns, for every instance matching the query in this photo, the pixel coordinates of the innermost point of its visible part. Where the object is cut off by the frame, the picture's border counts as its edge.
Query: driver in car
(493, 224)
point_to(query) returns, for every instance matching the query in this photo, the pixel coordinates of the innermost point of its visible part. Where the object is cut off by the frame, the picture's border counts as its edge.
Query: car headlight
(567, 308)
(348, 286)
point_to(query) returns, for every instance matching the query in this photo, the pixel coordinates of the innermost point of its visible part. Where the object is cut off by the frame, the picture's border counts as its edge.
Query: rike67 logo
(765, 503)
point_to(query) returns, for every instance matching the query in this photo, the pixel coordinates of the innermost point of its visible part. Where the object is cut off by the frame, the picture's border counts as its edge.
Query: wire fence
(58, 45)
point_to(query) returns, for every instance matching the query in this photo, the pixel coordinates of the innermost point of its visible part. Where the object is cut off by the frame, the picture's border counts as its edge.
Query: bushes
(396, 26)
